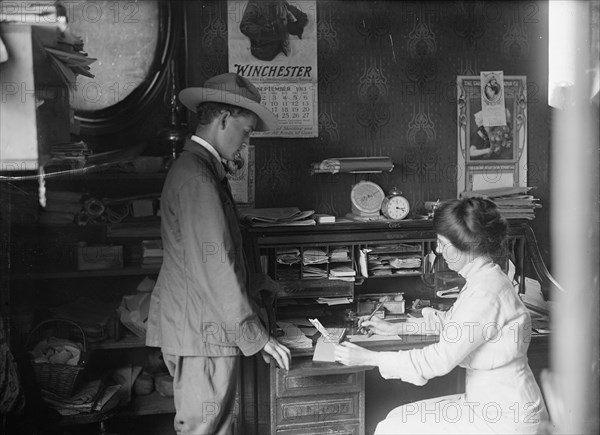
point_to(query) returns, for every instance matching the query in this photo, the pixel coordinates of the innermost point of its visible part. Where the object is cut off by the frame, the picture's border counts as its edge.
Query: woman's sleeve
(475, 322)
(434, 318)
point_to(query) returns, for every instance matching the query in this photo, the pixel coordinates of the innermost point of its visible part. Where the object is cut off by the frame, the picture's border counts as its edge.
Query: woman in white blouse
(487, 331)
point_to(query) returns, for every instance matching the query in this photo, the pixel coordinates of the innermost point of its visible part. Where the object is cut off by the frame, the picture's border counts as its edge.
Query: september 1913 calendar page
(274, 45)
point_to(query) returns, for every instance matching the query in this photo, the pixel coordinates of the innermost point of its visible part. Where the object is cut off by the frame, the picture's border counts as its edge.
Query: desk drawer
(290, 384)
(318, 409)
(350, 428)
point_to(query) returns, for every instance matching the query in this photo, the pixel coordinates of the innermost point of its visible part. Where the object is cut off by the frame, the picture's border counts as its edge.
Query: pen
(371, 316)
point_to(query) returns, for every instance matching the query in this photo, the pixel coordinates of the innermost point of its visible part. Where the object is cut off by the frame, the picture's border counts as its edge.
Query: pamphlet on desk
(324, 349)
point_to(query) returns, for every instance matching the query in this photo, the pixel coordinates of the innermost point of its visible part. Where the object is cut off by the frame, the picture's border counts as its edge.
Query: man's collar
(208, 152)
(206, 145)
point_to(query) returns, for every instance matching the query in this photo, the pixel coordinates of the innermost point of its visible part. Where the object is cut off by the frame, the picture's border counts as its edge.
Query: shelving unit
(44, 272)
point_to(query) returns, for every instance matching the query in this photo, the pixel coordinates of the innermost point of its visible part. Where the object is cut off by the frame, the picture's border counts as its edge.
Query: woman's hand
(378, 326)
(352, 355)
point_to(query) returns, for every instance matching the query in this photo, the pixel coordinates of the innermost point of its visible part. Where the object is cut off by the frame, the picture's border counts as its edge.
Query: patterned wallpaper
(387, 86)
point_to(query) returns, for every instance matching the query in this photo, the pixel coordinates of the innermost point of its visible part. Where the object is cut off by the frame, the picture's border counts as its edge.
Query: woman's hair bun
(472, 224)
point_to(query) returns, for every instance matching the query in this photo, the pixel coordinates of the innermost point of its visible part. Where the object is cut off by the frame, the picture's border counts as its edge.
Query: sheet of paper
(324, 351)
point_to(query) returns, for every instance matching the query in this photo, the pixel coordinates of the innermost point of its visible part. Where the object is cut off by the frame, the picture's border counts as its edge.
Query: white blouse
(487, 331)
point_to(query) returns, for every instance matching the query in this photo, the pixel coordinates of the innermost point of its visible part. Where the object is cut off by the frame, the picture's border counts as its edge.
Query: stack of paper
(404, 263)
(314, 256)
(512, 202)
(345, 273)
(288, 255)
(339, 254)
(335, 301)
(280, 216)
(389, 264)
(313, 272)
(293, 337)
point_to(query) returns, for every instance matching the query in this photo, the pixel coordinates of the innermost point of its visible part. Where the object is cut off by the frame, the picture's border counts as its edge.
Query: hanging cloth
(12, 398)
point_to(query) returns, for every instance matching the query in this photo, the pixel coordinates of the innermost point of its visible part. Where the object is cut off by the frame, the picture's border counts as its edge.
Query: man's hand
(276, 350)
(259, 282)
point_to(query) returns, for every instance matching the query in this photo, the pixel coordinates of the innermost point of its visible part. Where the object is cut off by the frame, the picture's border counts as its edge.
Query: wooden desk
(316, 397)
(332, 398)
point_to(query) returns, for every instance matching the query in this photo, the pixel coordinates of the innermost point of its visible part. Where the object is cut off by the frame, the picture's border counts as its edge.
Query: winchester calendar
(274, 45)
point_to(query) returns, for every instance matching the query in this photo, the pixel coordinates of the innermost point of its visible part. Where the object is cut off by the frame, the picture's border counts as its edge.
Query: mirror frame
(131, 109)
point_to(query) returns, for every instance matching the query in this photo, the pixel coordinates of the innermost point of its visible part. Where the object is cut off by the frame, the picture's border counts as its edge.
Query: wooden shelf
(126, 271)
(150, 404)
(395, 275)
(314, 288)
(127, 342)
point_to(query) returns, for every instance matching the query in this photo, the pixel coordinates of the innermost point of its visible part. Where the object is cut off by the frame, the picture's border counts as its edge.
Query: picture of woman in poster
(492, 89)
(492, 143)
(269, 24)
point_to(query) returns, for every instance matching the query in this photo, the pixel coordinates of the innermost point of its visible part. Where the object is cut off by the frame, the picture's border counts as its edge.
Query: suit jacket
(200, 305)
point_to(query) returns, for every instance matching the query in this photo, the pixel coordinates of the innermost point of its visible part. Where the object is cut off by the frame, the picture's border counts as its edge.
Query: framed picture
(491, 157)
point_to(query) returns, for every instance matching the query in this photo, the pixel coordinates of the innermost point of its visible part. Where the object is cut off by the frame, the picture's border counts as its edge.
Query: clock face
(395, 207)
(366, 197)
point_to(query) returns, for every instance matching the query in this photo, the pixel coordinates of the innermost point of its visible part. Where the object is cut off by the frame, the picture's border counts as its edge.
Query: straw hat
(230, 88)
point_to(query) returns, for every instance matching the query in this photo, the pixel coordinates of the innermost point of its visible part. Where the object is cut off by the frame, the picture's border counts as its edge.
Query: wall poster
(273, 43)
(491, 156)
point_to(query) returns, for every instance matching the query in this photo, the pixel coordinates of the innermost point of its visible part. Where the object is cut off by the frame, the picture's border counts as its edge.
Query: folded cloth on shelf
(57, 351)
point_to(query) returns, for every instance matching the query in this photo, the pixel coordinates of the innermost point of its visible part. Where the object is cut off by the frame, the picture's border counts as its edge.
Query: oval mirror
(133, 42)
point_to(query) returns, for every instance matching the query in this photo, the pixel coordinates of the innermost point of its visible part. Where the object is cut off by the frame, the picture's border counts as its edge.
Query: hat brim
(192, 97)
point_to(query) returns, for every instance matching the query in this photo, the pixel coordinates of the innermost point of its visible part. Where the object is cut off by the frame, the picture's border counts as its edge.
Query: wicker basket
(59, 379)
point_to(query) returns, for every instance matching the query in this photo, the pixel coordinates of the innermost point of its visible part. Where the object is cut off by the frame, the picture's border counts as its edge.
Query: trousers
(204, 392)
